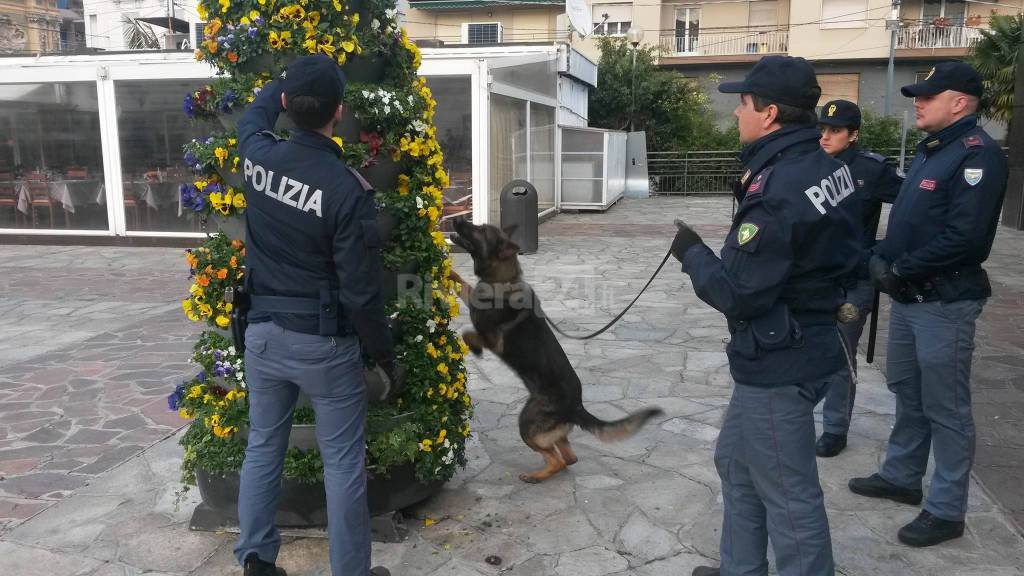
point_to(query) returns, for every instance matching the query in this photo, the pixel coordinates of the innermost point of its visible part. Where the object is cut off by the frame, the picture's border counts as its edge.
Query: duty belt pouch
(328, 312)
(775, 330)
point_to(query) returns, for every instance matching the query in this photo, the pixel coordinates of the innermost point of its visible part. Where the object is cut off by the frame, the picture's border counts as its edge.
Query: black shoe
(877, 487)
(256, 567)
(928, 530)
(706, 571)
(379, 571)
(830, 445)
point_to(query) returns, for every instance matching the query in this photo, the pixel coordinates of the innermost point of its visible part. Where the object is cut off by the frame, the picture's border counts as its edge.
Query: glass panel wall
(454, 120)
(582, 166)
(152, 128)
(508, 158)
(51, 162)
(542, 154)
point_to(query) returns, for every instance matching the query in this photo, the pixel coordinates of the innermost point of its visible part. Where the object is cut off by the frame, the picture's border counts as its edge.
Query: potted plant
(416, 441)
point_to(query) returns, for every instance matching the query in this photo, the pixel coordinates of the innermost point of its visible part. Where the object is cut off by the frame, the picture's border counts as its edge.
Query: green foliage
(994, 56)
(882, 133)
(673, 110)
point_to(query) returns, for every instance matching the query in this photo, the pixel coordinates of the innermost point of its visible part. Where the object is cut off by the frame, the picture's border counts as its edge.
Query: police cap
(783, 79)
(944, 76)
(315, 76)
(840, 113)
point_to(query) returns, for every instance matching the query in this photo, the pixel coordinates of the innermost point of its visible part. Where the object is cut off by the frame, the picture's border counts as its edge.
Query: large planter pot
(365, 68)
(403, 281)
(232, 226)
(305, 505)
(383, 174)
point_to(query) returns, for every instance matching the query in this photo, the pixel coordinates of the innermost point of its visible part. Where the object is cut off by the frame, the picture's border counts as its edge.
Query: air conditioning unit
(482, 33)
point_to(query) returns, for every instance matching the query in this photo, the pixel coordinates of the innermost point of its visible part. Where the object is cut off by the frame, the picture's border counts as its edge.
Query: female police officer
(876, 181)
(779, 285)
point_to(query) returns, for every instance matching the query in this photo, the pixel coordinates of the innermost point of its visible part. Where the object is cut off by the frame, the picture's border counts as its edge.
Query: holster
(777, 329)
(241, 303)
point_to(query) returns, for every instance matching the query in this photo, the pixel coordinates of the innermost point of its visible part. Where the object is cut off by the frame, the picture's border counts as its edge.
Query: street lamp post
(634, 37)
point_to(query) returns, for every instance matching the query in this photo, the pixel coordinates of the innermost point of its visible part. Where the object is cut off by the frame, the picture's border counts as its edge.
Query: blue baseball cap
(783, 79)
(315, 76)
(840, 113)
(953, 75)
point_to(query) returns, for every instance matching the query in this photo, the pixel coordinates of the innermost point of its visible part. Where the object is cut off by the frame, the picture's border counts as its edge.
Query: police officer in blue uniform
(876, 181)
(313, 256)
(940, 232)
(779, 283)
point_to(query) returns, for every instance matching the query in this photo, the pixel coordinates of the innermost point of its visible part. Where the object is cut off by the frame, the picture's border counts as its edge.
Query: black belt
(811, 318)
(288, 305)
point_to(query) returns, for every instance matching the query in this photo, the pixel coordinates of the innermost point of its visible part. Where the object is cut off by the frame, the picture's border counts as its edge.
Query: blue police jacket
(792, 246)
(942, 225)
(311, 226)
(876, 181)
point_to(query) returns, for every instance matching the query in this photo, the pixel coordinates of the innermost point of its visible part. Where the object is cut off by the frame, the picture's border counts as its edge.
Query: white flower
(240, 376)
(419, 338)
(231, 350)
(366, 94)
(419, 202)
(375, 24)
(431, 325)
(387, 109)
(386, 97)
(241, 383)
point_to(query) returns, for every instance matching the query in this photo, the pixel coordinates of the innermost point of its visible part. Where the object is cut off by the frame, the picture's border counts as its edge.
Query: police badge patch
(746, 233)
(973, 175)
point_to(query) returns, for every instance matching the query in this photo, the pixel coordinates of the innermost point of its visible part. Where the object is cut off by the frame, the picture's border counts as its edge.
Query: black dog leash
(621, 314)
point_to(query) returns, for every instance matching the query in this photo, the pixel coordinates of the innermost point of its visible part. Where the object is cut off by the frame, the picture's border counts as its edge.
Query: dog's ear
(508, 250)
(510, 229)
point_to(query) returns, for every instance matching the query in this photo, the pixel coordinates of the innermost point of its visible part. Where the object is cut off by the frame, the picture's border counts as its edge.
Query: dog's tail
(617, 429)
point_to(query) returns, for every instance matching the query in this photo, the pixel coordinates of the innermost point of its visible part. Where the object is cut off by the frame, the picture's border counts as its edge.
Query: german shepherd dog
(507, 320)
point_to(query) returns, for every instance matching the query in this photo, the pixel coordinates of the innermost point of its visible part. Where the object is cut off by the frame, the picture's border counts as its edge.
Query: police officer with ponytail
(313, 270)
(876, 181)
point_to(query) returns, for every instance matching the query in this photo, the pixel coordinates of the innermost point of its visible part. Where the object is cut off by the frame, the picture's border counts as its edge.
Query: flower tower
(388, 134)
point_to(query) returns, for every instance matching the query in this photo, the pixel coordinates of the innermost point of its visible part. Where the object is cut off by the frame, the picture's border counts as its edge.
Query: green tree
(882, 133)
(673, 110)
(994, 56)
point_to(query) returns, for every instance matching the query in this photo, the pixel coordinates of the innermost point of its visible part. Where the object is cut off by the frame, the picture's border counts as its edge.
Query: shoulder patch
(746, 233)
(973, 142)
(757, 185)
(872, 155)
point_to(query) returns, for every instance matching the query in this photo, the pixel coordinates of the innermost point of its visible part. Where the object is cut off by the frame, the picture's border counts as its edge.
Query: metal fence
(697, 172)
(709, 171)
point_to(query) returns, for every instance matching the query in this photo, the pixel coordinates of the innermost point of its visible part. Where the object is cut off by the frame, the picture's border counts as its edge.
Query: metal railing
(697, 172)
(726, 42)
(937, 37)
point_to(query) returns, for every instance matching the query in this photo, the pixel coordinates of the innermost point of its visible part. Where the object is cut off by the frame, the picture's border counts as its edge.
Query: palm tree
(138, 35)
(995, 57)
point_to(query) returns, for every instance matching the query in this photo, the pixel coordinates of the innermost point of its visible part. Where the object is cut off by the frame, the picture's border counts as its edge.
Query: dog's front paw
(529, 479)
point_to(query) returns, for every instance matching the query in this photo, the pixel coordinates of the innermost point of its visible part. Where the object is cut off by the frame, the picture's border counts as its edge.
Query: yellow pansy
(224, 5)
(279, 41)
(442, 368)
(432, 213)
(239, 201)
(426, 444)
(203, 14)
(338, 141)
(254, 14)
(221, 154)
(309, 45)
(223, 321)
(184, 413)
(441, 436)
(313, 18)
(348, 46)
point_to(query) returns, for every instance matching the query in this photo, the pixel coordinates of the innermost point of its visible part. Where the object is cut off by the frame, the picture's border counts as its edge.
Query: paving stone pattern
(648, 506)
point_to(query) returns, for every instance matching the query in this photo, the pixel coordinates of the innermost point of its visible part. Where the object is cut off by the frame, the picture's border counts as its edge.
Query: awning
(180, 26)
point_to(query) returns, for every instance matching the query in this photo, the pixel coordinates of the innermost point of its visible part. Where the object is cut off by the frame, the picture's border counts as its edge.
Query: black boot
(379, 571)
(706, 571)
(256, 567)
(875, 486)
(928, 530)
(830, 445)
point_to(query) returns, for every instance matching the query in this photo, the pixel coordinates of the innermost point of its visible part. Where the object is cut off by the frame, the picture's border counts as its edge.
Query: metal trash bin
(519, 208)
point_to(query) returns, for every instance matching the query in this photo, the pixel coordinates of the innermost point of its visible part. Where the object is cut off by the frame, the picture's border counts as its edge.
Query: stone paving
(649, 506)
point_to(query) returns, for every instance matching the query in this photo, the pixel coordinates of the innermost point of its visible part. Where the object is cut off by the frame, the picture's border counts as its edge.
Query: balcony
(931, 37)
(718, 42)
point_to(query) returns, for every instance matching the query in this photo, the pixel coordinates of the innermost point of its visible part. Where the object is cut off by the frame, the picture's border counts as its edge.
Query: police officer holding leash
(940, 231)
(779, 283)
(316, 307)
(876, 181)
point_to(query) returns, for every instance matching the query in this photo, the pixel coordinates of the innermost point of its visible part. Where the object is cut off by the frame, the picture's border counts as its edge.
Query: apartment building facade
(718, 40)
(30, 26)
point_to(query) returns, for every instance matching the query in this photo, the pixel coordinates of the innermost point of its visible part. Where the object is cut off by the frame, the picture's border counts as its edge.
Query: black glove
(385, 381)
(883, 277)
(685, 239)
